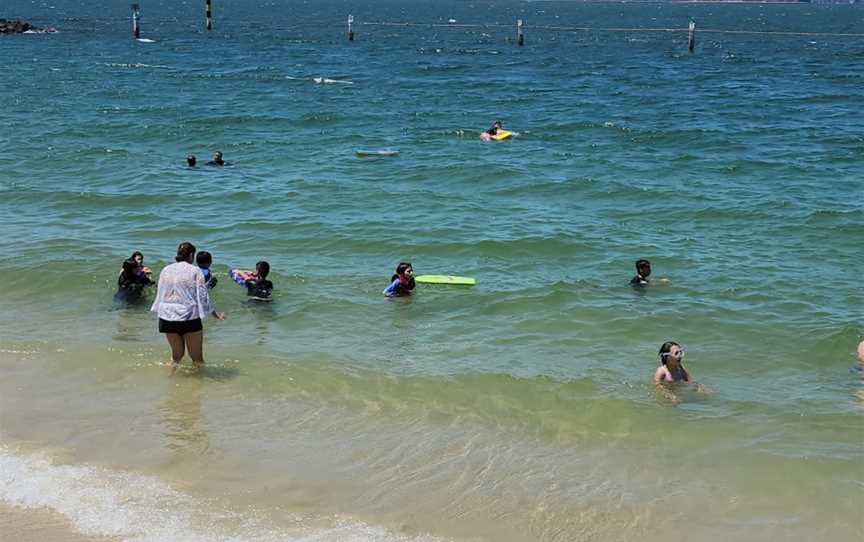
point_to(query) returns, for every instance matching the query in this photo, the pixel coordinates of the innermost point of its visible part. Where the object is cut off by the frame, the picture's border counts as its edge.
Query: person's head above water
(643, 268)
(137, 257)
(217, 157)
(262, 269)
(404, 269)
(497, 124)
(670, 351)
(191, 160)
(185, 252)
(204, 259)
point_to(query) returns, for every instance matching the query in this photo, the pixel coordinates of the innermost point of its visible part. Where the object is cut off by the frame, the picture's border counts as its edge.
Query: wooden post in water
(691, 35)
(520, 37)
(350, 32)
(208, 14)
(136, 16)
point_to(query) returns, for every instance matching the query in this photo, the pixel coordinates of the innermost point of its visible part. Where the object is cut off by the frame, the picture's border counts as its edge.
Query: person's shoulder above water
(218, 161)
(256, 283)
(643, 271)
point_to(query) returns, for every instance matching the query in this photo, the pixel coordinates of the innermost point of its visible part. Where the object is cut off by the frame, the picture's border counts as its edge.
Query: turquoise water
(520, 409)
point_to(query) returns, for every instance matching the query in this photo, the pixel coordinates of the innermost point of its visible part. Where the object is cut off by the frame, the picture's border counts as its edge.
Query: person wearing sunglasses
(672, 371)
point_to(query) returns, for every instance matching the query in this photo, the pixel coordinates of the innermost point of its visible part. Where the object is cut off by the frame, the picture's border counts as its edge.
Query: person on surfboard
(487, 135)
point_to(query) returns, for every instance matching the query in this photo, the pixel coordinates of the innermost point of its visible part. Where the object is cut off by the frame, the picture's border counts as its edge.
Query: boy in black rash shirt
(257, 285)
(643, 271)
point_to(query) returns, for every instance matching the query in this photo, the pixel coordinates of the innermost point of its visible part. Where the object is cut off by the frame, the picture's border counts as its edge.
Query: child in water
(643, 271)
(132, 280)
(402, 282)
(671, 371)
(257, 285)
(204, 260)
(140, 268)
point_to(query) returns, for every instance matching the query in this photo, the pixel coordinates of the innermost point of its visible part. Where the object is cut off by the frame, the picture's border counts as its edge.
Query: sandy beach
(39, 525)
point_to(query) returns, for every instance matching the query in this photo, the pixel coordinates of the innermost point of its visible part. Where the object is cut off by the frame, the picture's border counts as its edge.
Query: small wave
(325, 81)
(133, 65)
(103, 502)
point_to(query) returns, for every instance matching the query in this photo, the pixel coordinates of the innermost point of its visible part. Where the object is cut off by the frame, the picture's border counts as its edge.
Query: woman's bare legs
(195, 346)
(175, 341)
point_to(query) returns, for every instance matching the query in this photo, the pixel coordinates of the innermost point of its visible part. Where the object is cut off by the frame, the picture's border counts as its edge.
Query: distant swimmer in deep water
(217, 160)
(256, 283)
(131, 282)
(204, 260)
(487, 135)
(672, 371)
(191, 160)
(643, 271)
(402, 282)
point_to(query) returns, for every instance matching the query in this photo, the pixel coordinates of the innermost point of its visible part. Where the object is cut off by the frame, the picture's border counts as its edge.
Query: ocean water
(519, 409)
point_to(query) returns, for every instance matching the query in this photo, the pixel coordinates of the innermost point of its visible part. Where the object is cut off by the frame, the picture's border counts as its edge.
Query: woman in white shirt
(182, 301)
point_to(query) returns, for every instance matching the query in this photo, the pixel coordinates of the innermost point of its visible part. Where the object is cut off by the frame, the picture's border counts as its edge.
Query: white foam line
(137, 508)
(324, 80)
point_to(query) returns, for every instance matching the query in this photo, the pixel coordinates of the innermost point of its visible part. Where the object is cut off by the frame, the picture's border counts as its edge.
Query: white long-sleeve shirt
(182, 294)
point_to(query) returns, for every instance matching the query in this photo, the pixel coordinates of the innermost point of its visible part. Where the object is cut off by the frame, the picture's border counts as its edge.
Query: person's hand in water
(219, 315)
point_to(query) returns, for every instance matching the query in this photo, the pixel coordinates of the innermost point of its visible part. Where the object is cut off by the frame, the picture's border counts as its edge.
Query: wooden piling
(208, 14)
(350, 31)
(520, 37)
(136, 16)
(691, 36)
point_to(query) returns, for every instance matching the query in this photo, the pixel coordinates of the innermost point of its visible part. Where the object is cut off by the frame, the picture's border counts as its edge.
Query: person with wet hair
(131, 281)
(217, 160)
(182, 302)
(256, 283)
(402, 282)
(643, 271)
(671, 371)
(191, 160)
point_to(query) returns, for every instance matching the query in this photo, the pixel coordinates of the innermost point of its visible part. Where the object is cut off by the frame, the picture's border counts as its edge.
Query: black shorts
(180, 327)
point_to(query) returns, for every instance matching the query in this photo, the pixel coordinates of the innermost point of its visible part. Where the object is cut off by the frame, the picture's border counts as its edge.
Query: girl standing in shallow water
(671, 371)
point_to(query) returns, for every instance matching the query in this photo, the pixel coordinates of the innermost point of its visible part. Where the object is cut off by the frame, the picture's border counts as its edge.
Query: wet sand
(39, 525)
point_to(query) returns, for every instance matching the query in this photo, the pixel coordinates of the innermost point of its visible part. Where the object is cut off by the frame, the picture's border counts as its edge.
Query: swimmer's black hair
(204, 258)
(402, 267)
(263, 269)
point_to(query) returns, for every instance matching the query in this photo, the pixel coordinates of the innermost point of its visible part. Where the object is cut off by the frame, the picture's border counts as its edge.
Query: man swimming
(217, 160)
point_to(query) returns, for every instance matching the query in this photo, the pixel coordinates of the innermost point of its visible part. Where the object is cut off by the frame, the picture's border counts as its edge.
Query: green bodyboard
(444, 279)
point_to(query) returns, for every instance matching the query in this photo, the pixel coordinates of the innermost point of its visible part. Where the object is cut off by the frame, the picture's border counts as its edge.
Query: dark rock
(17, 27)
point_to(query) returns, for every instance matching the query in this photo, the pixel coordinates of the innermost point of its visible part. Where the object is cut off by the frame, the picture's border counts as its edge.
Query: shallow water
(519, 409)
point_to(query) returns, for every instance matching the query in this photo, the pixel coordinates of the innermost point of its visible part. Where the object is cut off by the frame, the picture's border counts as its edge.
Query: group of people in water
(217, 160)
(183, 298)
(183, 301)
